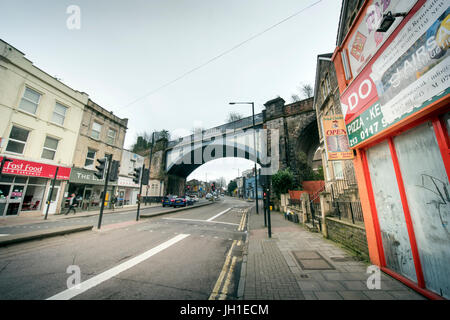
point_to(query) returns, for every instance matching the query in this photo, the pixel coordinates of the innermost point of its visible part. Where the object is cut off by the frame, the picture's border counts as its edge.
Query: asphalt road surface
(74, 220)
(194, 254)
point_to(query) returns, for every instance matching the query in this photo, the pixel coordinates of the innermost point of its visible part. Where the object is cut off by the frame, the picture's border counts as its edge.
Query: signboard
(34, 169)
(83, 176)
(365, 41)
(127, 182)
(336, 138)
(412, 73)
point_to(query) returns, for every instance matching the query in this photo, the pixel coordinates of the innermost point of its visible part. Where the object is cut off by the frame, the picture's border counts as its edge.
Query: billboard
(410, 74)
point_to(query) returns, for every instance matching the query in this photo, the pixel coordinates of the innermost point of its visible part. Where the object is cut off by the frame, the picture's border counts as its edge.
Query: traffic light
(100, 168)
(137, 175)
(114, 174)
(145, 177)
(213, 187)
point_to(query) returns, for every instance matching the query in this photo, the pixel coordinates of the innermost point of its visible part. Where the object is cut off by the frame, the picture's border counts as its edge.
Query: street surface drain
(311, 260)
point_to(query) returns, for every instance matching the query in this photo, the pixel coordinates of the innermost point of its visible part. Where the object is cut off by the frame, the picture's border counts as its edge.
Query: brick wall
(349, 235)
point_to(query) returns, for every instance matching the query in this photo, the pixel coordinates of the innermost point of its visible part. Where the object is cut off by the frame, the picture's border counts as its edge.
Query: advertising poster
(410, 74)
(336, 138)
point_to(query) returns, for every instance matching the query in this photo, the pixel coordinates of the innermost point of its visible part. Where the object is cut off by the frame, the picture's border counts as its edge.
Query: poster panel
(336, 138)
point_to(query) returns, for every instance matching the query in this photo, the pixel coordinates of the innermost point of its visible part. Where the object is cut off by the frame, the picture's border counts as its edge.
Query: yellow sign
(336, 138)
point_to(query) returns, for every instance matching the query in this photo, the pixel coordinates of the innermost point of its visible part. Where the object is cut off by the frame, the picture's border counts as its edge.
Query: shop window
(59, 114)
(33, 197)
(90, 158)
(394, 234)
(50, 146)
(17, 140)
(30, 101)
(96, 130)
(428, 193)
(111, 139)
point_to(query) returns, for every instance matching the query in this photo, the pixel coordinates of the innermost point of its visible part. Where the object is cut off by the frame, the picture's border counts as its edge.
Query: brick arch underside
(308, 140)
(183, 170)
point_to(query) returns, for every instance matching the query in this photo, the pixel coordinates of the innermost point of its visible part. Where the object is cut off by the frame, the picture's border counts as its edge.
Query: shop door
(15, 200)
(428, 193)
(53, 201)
(394, 233)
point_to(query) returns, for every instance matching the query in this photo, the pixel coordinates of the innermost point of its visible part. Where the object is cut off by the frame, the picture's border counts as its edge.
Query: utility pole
(151, 156)
(49, 200)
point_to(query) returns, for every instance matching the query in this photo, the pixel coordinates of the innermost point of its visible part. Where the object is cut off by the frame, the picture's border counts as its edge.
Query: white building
(127, 190)
(39, 126)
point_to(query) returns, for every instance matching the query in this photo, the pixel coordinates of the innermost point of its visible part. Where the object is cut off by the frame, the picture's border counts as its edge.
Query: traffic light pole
(140, 192)
(269, 224)
(104, 191)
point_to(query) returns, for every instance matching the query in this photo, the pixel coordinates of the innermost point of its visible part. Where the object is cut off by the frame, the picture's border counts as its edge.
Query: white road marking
(219, 214)
(94, 281)
(3, 234)
(233, 224)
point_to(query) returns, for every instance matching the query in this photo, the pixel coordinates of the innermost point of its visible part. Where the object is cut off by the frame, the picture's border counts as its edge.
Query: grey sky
(126, 49)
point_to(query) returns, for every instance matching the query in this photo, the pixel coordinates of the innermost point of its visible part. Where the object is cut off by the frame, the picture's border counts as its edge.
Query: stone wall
(350, 235)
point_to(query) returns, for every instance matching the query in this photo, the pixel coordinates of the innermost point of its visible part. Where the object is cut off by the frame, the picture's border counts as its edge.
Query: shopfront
(25, 187)
(396, 107)
(127, 191)
(88, 190)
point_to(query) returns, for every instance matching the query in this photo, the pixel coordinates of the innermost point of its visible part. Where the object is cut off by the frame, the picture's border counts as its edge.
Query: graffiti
(440, 189)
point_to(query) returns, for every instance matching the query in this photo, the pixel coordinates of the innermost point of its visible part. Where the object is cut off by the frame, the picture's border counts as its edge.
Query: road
(194, 254)
(74, 220)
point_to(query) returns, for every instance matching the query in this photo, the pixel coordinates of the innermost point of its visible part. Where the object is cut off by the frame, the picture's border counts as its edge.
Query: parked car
(168, 201)
(182, 201)
(195, 198)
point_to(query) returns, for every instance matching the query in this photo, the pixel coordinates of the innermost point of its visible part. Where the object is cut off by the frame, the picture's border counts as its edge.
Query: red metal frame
(408, 220)
(373, 208)
(440, 131)
(412, 285)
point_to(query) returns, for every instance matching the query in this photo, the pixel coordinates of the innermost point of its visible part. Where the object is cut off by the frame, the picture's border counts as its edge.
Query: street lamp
(254, 145)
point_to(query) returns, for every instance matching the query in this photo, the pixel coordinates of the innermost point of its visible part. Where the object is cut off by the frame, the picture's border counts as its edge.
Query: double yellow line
(228, 268)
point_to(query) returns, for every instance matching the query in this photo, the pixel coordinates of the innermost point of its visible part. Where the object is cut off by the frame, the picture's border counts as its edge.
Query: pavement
(296, 264)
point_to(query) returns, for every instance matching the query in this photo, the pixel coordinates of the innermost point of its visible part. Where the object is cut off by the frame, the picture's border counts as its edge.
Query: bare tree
(307, 90)
(295, 97)
(234, 116)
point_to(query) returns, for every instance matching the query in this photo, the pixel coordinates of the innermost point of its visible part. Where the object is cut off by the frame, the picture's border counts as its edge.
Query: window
(30, 101)
(59, 114)
(111, 139)
(90, 158)
(50, 147)
(338, 170)
(346, 65)
(96, 130)
(17, 139)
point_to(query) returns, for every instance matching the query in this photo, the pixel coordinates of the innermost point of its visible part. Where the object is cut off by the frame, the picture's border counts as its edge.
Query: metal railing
(349, 210)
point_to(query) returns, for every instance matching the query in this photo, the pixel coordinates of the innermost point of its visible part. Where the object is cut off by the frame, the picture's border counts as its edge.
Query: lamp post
(254, 145)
